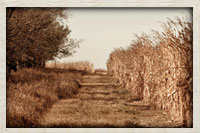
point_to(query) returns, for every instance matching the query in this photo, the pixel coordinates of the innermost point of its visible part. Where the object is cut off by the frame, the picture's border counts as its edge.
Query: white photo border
(194, 4)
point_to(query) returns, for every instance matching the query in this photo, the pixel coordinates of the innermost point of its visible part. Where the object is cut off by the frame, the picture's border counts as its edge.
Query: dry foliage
(158, 69)
(79, 65)
(31, 92)
(36, 35)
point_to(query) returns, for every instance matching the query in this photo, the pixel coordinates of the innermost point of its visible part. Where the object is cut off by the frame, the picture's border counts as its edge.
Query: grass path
(102, 103)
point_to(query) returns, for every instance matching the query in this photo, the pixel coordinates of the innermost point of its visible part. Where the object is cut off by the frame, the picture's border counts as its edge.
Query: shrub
(31, 92)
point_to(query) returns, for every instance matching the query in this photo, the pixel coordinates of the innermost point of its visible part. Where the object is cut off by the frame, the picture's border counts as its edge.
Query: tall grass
(31, 92)
(79, 65)
(158, 69)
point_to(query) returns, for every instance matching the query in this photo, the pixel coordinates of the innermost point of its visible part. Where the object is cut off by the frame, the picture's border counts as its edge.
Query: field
(63, 98)
(31, 92)
(147, 84)
(158, 69)
(101, 102)
(79, 65)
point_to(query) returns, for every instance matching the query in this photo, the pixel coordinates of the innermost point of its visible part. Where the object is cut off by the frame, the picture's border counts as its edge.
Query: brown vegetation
(33, 37)
(158, 69)
(36, 35)
(101, 102)
(79, 65)
(155, 69)
(31, 92)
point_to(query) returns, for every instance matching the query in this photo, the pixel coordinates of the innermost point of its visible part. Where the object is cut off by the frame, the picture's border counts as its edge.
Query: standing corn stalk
(161, 69)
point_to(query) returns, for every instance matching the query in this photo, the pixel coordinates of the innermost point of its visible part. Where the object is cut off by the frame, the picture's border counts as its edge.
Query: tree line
(36, 35)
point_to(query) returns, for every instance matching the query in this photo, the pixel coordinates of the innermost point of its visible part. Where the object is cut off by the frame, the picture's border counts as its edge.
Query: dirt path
(102, 103)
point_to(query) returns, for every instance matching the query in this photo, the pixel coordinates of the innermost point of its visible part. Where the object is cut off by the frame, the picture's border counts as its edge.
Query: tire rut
(105, 105)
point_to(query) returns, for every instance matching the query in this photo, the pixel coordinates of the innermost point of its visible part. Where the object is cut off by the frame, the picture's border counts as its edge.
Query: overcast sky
(104, 29)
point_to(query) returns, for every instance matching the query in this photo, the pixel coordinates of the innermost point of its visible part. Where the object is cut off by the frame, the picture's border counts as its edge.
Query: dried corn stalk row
(158, 69)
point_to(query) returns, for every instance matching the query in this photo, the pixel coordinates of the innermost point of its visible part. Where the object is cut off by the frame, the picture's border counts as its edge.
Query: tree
(35, 35)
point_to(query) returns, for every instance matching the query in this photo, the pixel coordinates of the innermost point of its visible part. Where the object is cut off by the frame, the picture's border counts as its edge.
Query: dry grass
(100, 71)
(101, 102)
(79, 65)
(158, 68)
(40, 98)
(31, 92)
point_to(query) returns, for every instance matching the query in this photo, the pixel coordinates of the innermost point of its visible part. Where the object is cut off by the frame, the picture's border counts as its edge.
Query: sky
(104, 29)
